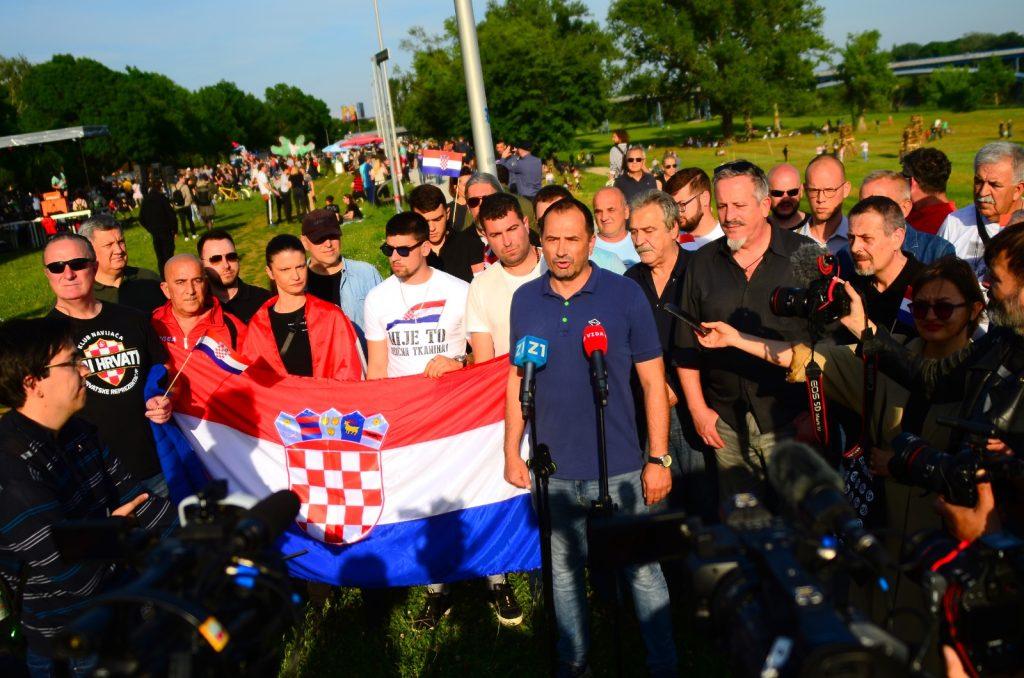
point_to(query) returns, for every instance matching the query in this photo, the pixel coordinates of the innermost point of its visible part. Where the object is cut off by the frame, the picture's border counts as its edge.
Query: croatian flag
(904, 315)
(390, 494)
(221, 355)
(445, 163)
(426, 312)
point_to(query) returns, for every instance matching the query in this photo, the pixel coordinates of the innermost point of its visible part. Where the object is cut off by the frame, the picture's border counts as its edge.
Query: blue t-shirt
(566, 413)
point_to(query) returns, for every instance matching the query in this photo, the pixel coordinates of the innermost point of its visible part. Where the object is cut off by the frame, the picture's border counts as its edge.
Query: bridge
(830, 77)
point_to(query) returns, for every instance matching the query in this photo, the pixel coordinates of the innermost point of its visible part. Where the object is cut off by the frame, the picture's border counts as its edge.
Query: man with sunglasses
(120, 347)
(786, 190)
(690, 188)
(635, 179)
(116, 281)
(220, 259)
(330, 276)
(55, 468)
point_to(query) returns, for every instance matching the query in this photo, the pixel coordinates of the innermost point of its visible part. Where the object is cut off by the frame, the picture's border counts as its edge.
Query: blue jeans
(570, 501)
(40, 666)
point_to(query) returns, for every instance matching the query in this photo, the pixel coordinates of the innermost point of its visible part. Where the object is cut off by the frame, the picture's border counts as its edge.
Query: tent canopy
(65, 134)
(361, 140)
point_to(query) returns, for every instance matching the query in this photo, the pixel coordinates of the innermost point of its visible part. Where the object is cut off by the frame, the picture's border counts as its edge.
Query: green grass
(350, 636)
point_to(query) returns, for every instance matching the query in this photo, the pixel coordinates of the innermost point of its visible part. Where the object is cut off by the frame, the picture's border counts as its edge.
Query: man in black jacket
(157, 216)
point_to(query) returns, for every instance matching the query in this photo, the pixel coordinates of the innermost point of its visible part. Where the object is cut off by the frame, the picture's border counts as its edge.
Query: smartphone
(683, 316)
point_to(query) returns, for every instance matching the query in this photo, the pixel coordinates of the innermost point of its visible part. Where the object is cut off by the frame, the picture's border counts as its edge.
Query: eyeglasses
(792, 193)
(473, 202)
(681, 204)
(667, 166)
(77, 361)
(634, 159)
(76, 264)
(403, 250)
(822, 192)
(943, 309)
(217, 258)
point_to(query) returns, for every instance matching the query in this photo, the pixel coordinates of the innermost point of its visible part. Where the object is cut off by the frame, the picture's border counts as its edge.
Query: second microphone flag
(401, 481)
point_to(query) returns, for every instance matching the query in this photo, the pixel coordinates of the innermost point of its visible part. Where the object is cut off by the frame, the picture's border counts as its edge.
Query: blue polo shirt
(566, 413)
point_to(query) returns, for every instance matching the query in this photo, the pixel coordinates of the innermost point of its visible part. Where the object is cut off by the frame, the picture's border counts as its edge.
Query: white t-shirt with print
(417, 321)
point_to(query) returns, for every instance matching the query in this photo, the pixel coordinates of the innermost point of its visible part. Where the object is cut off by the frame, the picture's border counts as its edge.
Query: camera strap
(816, 400)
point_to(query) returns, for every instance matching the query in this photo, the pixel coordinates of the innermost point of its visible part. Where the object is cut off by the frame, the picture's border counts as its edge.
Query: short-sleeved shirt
(565, 408)
(490, 302)
(120, 347)
(715, 288)
(623, 249)
(246, 301)
(139, 289)
(961, 229)
(631, 187)
(418, 322)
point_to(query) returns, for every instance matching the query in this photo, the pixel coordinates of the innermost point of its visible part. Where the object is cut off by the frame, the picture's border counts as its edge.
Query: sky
(324, 46)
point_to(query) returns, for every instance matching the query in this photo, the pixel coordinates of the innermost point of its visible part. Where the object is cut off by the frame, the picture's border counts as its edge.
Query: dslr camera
(821, 303)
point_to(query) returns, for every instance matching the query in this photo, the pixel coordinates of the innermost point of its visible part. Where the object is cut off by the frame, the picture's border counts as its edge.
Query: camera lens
(790, 302)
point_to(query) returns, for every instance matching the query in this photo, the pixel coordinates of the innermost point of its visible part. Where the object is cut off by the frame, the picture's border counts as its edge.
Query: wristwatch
(664, 460)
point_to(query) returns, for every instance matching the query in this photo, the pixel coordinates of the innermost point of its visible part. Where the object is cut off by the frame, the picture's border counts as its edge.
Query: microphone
(806, 483)
(531, 354)
(595, 345)
(265, 522)
(806, 263)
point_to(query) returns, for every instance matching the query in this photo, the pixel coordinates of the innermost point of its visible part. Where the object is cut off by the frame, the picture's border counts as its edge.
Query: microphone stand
(542, 466)
(604, 508)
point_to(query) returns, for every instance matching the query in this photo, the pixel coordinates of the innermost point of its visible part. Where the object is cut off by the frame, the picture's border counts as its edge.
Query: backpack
(202, 196)
(177, 198)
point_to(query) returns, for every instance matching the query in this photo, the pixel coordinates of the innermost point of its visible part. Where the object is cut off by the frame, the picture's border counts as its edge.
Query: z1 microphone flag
(401, 481)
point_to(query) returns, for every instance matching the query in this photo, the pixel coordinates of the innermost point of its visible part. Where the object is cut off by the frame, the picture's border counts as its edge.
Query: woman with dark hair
(350, 208)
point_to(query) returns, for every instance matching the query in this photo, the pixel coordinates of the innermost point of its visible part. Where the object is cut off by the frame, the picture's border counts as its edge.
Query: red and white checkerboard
(341, 491)
(104, 347)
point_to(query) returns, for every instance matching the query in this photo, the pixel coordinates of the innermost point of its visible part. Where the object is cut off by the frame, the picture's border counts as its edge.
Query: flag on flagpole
(444, 163)
(391, 493)
(904, 315)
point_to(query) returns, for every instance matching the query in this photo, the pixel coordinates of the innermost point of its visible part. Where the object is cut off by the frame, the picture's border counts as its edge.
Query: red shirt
(929, 218)
(213, 324)
(332, 341)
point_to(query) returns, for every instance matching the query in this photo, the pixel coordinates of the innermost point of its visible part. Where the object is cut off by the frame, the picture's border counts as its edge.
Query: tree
(223, 114)
(543, 64)
(742, 56)
(993, 80)
(867, 81)
(12, 74)
(952, 88)
(292, 112)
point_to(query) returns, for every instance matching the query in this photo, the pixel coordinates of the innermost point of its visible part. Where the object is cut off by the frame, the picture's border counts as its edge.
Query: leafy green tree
(223, 113)
(292, 112)
(864, 72)
(12, 74)
(742, 56)
(952, 88)
(434, 100)
(993, 80)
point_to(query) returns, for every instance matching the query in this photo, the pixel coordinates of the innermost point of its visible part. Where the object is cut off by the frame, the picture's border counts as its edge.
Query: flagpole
(483, 146)
(182, 368)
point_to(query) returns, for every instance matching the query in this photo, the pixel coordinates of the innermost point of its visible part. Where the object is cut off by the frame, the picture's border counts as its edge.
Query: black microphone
(265, 522)
(805, 263)
(806, 482)
(595, 345)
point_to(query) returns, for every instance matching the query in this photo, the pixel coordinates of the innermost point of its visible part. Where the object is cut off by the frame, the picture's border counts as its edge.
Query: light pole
(482, 143)
(385, 117)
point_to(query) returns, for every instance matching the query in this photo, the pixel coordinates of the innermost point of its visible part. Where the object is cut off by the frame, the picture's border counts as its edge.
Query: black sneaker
(505, 606)
(437, 608)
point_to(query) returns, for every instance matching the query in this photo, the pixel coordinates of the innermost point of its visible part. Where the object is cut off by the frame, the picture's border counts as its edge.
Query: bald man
(786, 191)
(826, 186)
(191, 312)
(925, 247)
(611, 216)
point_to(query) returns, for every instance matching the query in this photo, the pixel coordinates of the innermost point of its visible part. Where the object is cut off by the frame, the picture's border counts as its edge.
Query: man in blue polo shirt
(557, 307)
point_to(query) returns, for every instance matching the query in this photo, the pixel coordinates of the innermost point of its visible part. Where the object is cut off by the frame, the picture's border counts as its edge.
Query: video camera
(213, 599)
(823, 301)
(764, 588)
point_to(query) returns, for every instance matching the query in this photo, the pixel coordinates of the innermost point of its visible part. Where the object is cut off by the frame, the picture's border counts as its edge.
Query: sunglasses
(403, 250)
(943, 309)
(76, 264)
(667, 166)
(474, 202)
(792, 193)
(634, 159)
(217, 258)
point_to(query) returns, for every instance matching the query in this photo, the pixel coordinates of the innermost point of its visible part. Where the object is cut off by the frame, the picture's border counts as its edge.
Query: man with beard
(827, 188)
(998, 188)
(925, 247)
(786, 190)
(217, 252)
(559, 306)
(740, 406)
(690, 188)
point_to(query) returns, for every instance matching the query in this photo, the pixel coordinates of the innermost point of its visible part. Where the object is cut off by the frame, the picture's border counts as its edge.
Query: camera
(212, 599)
(822, 302)
(977, 591)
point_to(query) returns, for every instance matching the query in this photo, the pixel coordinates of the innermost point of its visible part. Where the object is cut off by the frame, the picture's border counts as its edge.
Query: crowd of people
(692, 419)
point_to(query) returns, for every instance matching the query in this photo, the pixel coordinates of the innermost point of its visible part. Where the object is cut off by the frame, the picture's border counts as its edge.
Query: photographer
(55, 469)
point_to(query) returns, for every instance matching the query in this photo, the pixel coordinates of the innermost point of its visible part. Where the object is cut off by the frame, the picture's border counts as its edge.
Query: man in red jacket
(191, 312)
(296, 333)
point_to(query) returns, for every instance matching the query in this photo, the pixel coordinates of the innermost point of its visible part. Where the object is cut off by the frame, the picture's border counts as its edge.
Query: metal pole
(391, 139)
(482, 143)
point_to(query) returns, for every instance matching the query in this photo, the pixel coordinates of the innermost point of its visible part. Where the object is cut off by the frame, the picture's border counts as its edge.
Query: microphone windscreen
(275, 512)
(594, 339)
(805, 263)
(795, 469)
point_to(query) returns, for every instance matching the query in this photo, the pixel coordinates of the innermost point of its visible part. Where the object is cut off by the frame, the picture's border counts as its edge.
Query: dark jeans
(186, 226)
(163, 246)
(285, 202)
(371, 192)
(301, 202)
